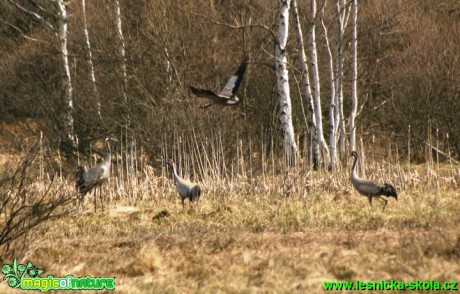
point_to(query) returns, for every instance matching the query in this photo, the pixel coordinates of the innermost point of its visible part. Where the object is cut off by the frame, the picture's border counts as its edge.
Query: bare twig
(24, 35)
(438, 151)
(33, 14)
(236, 27)
(21, 213)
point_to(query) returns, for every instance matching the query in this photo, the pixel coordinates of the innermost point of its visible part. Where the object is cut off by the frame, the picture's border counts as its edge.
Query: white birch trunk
(306, 88)
(333, 105)
(339, 72)
(342, 17)
(316, 86)
(67, 120)
(354, 73)
(121, 50)
(168, 68)
(89, 60)
(68, 136)
(282, 79)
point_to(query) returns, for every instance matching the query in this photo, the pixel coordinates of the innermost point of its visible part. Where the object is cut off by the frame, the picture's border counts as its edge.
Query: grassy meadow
(253, 230)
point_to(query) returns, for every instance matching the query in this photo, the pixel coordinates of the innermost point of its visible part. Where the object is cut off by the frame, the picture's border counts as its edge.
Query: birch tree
(316, 90)
(333, 98)
(337, 120)
(66, 116)
(306, 87)
(89, 60)
(282, 79)
(67, 122)
(121, 51)
(354, 73)
(342, 19)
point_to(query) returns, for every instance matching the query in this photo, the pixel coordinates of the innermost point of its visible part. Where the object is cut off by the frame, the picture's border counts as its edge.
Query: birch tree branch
(34, 3)
(236, 27)
(24, 35)
(33, 14)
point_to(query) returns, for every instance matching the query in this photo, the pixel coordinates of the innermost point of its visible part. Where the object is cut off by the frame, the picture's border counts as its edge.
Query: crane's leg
(195, 204)
(370, 200)
(102, 201)
(183, 203)
(95, 198)
(385, 203)
(81, 200)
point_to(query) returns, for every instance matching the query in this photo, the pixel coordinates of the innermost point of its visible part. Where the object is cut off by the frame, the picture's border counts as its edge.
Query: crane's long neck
(108, 156)
(176, 176)
(353, 168)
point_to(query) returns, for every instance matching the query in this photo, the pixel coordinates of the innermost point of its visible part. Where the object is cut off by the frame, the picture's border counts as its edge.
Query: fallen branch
(441, 152)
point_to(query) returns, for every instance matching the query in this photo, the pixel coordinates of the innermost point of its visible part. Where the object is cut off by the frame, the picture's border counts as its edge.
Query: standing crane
(94, 177)
(227, 96)
(371, 189)
(186, 189)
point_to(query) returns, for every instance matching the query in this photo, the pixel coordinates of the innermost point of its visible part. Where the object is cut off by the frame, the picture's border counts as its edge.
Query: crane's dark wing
(210, 95)
(204, 93)
(234, 82)
(388, 190)
(367, 187)
(80, 176)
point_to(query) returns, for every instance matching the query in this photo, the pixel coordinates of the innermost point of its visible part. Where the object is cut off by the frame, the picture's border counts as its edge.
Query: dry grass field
(259, 233)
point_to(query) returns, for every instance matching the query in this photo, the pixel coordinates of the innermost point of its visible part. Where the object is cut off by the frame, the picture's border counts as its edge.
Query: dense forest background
(408, 74)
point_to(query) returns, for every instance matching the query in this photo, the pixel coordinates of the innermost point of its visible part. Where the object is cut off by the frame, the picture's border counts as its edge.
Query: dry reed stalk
(203, 158)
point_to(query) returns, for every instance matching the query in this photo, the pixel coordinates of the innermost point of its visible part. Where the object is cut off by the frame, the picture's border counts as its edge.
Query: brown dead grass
(254, 243)
(267, 231)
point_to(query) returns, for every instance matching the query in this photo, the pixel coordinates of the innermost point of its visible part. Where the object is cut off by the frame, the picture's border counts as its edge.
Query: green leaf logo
(13, 282)
(6, 269)
(11, 274)
(15, 273)
(21, 267)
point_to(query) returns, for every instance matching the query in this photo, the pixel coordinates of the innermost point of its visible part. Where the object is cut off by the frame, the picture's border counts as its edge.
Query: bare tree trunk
(316, 86)
(282, 78)
(306, 88)
(339, 73)
(165, 31)
(66, 116)
(121, 51)
(333, 105)
(89, 60)
(354, 90)
(342, 17)
(67, 119)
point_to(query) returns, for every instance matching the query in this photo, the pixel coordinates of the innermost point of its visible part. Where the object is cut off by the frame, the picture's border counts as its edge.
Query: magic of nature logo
(28, 277)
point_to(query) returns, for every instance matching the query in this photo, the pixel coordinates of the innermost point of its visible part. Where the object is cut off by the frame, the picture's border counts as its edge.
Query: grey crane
(371, 189)
(227, 96)
(186, 189)
(95, 176)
